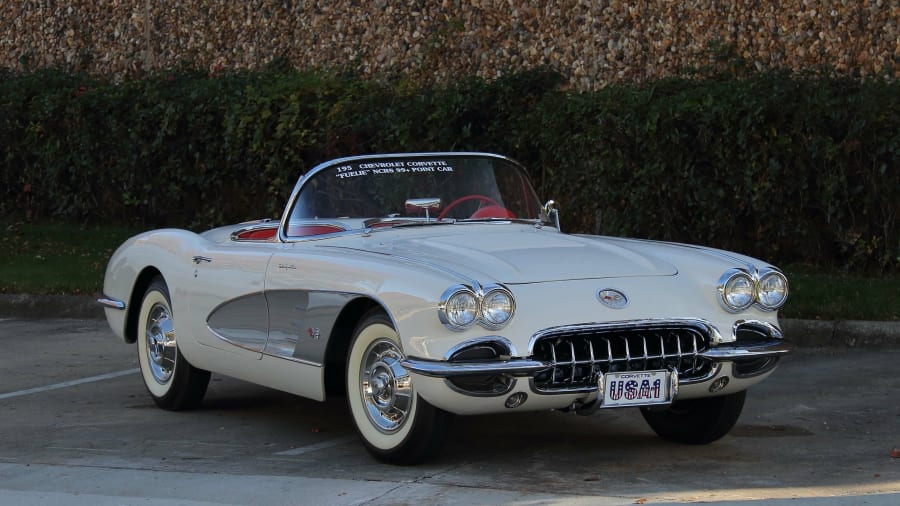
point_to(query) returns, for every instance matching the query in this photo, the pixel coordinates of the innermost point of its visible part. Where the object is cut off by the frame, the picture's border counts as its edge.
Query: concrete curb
(49, 306)
(841, 333)
(803, 333)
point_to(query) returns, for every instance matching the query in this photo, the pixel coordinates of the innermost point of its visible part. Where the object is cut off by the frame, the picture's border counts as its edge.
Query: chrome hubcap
(386, 386)
(161, 347)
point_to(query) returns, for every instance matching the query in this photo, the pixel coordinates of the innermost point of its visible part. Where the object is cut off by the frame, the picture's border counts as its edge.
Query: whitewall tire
(394, 423)
(171, 380)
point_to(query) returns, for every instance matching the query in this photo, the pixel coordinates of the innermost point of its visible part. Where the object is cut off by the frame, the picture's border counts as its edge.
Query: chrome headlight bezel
(728, 282)
(482, 295)
(490, 319)
(765, 276)
(446, 308)
(735, 278)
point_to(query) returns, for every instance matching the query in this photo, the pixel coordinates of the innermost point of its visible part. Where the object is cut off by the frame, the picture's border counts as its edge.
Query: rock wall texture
(591, 42)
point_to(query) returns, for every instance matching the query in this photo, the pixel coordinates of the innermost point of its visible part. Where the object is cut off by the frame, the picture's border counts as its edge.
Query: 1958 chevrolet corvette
(426, 285)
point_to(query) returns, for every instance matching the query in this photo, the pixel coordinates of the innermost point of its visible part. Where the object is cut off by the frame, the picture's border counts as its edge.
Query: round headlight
(773, 290)
(497, 307)
(738, 290)
(461, 309)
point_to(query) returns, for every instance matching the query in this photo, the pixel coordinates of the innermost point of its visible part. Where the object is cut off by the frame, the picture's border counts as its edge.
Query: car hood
(514, 255)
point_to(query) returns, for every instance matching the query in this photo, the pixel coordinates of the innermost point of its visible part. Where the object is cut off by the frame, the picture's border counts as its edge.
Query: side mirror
(550, 214)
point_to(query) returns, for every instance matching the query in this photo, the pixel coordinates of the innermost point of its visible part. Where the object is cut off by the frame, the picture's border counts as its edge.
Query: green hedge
(790, 168)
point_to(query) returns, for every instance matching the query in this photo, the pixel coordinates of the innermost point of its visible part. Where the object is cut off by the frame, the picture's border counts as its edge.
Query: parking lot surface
(77, 427)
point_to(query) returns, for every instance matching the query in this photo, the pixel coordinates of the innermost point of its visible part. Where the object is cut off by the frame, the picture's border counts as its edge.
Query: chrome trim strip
(725, 353)
(523, 367)
(294, 359)
(111, 303)
(441, 369)
(236, 344)
(263, 352)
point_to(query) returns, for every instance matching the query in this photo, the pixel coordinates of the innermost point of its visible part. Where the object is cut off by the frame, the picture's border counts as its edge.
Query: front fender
(138, 260)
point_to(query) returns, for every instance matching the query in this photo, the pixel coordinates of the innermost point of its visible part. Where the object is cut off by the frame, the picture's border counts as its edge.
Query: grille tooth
(574, 363)
(572, 348)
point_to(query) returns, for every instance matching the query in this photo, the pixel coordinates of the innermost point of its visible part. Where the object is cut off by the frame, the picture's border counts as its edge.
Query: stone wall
(591, 42)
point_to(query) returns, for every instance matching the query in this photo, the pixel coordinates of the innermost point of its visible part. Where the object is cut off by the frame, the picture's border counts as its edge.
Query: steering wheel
(474, 196)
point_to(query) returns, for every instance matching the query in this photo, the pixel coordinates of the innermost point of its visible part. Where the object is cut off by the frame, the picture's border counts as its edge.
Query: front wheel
(394, 423)
(173, 383)
(696, 421)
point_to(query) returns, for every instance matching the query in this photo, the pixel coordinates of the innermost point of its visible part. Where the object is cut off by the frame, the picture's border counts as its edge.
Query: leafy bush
(791, 168)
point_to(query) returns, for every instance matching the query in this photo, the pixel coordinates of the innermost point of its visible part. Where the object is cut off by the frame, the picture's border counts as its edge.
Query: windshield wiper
(511, 220)
(402, 222)
(424, 223)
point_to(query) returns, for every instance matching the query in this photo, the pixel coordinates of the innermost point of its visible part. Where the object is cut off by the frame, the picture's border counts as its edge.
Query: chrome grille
(577, 355)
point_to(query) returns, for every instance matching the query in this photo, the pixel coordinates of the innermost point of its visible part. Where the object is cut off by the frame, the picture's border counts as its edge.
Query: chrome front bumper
(527, 367)
(576, 359)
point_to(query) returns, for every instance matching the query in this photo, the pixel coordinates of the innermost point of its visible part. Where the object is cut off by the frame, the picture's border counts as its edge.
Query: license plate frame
(627, 389)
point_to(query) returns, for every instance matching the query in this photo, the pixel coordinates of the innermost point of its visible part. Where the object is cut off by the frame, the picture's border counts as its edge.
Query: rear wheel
(394, 423)
(173, 383)
(696, 421)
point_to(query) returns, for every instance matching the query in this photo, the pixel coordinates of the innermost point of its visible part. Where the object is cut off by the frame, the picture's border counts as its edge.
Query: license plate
(637, 388)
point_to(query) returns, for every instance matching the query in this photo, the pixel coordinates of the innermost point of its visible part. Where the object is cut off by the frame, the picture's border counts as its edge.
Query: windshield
(378, 191)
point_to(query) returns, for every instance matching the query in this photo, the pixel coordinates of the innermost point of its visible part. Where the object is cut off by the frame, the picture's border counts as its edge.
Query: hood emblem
(612, 299)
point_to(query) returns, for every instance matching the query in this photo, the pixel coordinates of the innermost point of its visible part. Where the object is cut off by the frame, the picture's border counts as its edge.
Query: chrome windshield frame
(285, 216)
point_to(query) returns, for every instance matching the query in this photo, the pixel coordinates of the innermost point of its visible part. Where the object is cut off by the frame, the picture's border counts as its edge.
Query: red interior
(492, 212)
(265, 234)
(257, 234)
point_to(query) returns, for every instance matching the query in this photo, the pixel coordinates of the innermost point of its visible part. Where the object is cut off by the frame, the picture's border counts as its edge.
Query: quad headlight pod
(740, 289)
(491, 306)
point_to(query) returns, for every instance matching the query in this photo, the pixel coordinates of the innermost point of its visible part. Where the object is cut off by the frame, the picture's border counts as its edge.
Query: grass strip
(56, 258)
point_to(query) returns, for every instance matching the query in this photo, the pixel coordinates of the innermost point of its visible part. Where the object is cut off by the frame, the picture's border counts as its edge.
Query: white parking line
(72, 383)
(316, 447)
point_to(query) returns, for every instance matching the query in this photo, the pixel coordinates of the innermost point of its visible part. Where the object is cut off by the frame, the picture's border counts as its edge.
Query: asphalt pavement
(77, 427)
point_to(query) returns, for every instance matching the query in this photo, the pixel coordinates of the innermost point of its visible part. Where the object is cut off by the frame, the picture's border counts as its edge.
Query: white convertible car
(425, 285)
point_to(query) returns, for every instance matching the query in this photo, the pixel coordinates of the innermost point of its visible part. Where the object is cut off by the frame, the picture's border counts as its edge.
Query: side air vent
(489, 385)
